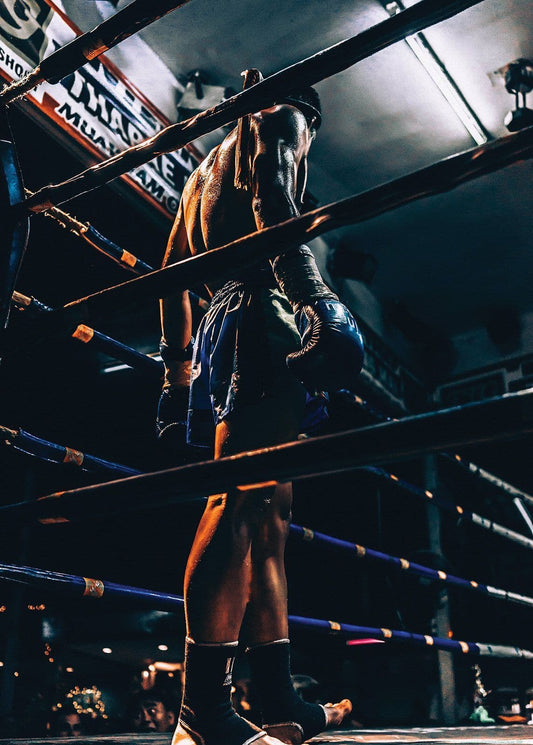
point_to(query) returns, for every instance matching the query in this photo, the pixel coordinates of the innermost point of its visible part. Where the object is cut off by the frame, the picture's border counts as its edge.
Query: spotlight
(518, 76)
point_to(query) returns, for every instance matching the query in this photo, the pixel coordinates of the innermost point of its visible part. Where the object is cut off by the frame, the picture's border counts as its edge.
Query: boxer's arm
(279, 165)
(279, 172)
(332, 347)
(175, 312)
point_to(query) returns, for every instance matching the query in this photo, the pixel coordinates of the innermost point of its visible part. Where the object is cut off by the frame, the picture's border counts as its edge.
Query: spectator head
(152, 711)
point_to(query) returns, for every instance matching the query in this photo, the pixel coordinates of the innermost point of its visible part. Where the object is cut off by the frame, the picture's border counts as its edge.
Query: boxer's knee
(273, 528)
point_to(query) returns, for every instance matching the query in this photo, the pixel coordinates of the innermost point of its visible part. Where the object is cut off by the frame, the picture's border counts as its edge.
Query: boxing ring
(433, 736)
(383, 441)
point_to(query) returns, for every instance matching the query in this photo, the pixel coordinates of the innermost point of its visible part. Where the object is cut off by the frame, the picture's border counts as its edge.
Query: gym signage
(96, 106)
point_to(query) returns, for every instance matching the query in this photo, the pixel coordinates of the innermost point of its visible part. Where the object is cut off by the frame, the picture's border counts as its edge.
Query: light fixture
(69, 669)
(162, 647)
(518, 77)
(107, 650)
(431, 63)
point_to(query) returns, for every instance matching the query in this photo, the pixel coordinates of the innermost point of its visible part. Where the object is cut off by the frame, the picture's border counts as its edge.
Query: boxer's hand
(332, 350)
(171, 422)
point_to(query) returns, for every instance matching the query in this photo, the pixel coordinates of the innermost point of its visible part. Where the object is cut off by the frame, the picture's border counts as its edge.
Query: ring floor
(434, 736)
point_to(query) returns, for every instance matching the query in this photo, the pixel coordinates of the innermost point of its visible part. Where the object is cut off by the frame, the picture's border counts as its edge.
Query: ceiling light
(107, 650)
(162, 647)
(447, 87)
(440, 76)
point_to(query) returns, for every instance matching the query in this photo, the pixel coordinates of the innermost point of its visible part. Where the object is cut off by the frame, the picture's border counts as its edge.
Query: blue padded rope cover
(50, 451)
(106, 344)
(114, 251)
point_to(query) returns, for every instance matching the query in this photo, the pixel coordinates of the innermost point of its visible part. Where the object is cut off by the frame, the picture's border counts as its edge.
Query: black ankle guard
(280, 704)
(206, 711)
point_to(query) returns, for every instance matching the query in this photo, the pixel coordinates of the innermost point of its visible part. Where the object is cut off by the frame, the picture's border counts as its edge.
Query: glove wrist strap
(297, 275)
(174, 354)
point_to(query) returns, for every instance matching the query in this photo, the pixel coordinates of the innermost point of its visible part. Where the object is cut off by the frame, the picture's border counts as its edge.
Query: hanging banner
(96, 106)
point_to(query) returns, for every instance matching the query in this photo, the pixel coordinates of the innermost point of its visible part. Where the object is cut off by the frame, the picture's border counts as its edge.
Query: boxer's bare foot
(336, 713)
(292, 734)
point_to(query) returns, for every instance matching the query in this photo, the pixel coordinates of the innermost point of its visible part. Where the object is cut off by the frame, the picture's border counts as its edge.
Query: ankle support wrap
(206, 711)
(280, 704)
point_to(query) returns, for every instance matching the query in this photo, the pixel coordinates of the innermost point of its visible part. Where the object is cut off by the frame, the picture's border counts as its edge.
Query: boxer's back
(215, 212)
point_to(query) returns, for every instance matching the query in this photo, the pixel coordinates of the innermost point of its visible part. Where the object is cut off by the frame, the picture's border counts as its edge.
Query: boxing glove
(332, 350)
(171, 422)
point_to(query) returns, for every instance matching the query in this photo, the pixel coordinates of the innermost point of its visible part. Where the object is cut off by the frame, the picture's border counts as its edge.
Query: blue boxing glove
(332, 350)
(171, 422)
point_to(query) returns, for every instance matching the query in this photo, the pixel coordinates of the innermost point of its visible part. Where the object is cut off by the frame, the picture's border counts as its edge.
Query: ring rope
(219, 263)
(99, 341)
(140, 361)
(309, 71)
(483, 475)
(449, 506)
(29, 444)
(91, 45)
(480, 473)
(44, 450)
(94, 238)
(502, 417)
(104, 245)
(404, 565)
(75, 586)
